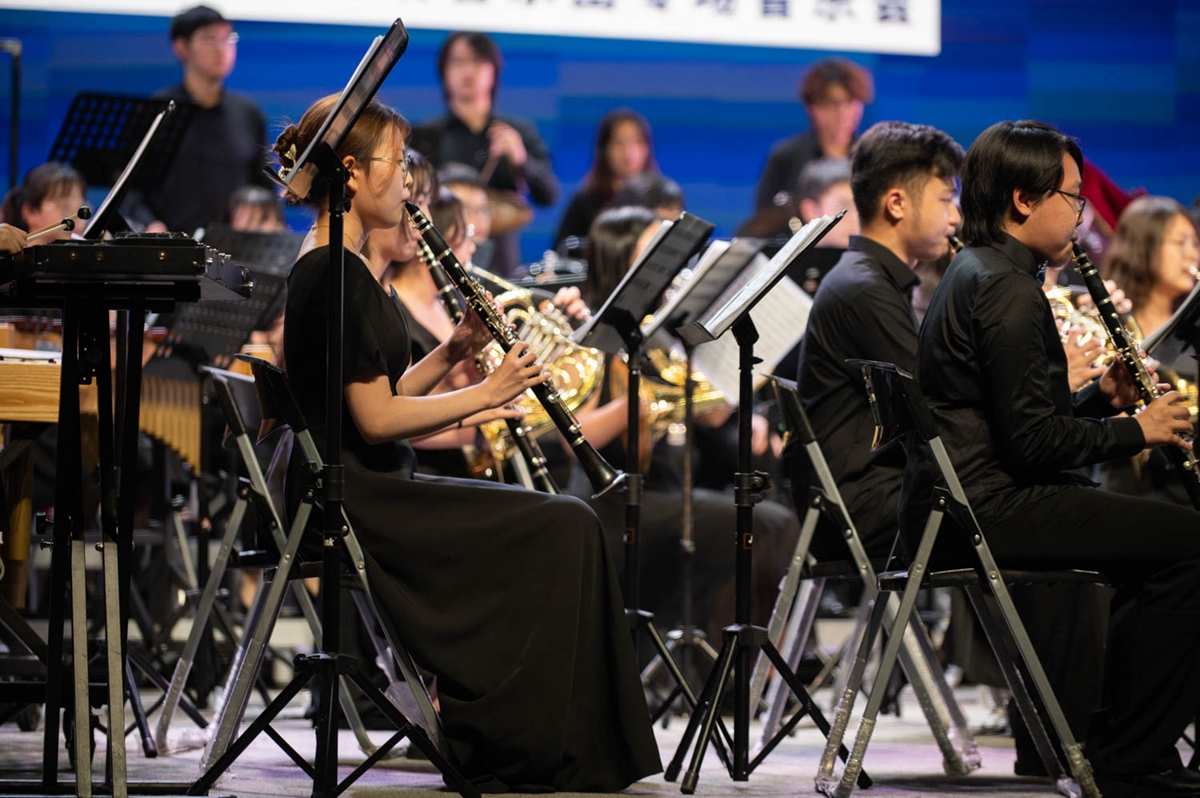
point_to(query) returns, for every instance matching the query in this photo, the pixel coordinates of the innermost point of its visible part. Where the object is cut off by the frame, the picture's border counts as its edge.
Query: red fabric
(1106, 197)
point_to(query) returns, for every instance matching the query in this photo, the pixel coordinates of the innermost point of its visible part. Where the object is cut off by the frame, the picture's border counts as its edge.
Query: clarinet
(602, 475)
(1122, 341)
(521, 433)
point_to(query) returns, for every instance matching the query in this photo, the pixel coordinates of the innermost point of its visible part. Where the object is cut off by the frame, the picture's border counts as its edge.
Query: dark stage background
(1123, 77)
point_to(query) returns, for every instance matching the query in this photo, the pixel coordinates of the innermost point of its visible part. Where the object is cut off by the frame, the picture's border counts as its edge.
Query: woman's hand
(519, 372)
(469, 336)
(570, 302)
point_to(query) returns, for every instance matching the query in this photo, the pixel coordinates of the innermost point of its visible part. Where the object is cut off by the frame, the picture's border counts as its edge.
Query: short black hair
(818, 176)
(1008, 156)
(187, 22)
(454, 173)
(481, 44)
(648, 190)
(892, 154)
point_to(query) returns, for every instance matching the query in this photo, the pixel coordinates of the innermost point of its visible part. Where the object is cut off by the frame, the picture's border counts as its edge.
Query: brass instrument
(602, 475)
(1184, 460)
(663, 393)
(518, 431)
(575, 370)
(1067, 311)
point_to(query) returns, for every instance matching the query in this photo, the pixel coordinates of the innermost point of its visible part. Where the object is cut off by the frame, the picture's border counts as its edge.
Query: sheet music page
(725, 314)
(1162, 344)
(780, 318)
(108, 205)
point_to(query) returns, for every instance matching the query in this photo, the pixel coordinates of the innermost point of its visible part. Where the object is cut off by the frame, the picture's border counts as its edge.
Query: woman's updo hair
(376, 124)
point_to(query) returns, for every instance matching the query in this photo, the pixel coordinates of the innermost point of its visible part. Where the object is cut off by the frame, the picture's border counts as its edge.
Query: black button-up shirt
(862, 310)
(449, 140)
(992, 368)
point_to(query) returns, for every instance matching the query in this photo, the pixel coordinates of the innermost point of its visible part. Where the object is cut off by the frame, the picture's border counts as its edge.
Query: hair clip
(291, 153)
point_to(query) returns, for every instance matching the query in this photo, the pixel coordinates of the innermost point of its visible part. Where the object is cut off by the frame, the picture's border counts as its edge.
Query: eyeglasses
(216, 40)
(404, 163)
(1185, 242)
(1077, 202)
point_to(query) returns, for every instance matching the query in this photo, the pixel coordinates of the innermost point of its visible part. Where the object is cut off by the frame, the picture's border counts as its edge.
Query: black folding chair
(408, 703)
(800, 592)
(899, 410)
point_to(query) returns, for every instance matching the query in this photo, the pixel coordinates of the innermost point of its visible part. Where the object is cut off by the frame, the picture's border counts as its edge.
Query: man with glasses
(991, 365)
(224, 147)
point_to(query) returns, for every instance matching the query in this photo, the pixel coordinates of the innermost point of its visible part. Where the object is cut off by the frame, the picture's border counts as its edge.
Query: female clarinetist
(505, 594)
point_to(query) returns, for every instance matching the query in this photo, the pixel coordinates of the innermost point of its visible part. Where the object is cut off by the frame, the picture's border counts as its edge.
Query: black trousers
(1151, 550)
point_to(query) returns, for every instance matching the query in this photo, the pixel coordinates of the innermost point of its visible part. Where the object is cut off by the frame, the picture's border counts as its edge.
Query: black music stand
(13, 48)
(101, 133)
(717, 270)
(743, 639)
(321, 162)
(1170, 342)
(617, 326)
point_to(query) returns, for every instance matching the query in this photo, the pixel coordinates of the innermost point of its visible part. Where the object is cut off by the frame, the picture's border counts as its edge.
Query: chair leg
(826, 781)
(925, 676)
(183, 666)
(960, 754)
(795, 638)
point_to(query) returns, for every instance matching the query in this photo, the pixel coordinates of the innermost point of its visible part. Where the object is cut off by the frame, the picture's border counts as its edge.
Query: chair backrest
(238, 399)
(787, 395)
(897, 404)
(276, 401)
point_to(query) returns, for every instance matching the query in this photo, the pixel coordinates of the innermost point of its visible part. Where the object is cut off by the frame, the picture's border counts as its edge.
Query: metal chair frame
(900, 409)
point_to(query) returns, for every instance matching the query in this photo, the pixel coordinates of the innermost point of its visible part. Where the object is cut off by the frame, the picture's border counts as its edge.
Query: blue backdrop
(1126, 83)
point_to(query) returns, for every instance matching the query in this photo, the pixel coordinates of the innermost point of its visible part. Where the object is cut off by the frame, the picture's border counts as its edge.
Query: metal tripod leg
(116, 675)
(183, 666)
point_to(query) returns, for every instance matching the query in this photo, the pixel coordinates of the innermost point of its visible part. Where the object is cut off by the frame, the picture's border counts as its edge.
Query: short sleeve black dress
(507, 595)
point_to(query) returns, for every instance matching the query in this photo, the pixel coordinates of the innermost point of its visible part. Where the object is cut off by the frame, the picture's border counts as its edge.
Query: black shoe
(1178, 781)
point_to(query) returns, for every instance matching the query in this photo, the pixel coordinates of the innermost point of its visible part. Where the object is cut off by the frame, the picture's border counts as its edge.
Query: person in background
(257, 209)
(511, 157)
(462, 181)
(654, 191)
(823, 189)
(48, 194)
(624, 148)
(224, 147)
(834, 92)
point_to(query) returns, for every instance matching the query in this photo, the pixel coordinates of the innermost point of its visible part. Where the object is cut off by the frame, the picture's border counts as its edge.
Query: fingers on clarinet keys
(1164, 420)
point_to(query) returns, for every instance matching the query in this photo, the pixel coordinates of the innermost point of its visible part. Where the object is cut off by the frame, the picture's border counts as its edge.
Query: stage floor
(902, 759)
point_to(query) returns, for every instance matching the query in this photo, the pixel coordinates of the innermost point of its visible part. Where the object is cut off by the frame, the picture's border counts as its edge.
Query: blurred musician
(1153, 256)
(507, 595)
(823, 189)
(256, 209)
(624, 148)
(834, 92)
(48, 194)
(652, 190)
(508, 152)
(224, 147)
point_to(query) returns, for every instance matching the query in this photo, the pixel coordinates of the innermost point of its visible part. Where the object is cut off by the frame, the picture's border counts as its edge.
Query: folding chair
(278, 404)
(238, 399)
(900, 409)
(800, 592)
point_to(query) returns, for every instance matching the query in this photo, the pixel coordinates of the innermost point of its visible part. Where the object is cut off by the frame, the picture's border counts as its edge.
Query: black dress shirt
(223, 149)
(862, 310)
(449, 140)
(994, 372)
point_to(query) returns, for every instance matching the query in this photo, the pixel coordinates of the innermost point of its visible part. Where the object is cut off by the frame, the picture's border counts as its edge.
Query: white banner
(910, 27)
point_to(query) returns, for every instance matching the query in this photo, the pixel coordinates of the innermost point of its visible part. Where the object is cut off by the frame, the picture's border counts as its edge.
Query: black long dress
(507, 595)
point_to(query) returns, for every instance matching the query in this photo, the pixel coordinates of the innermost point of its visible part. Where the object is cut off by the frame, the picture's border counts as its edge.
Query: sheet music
(721, 317)
(780, 317)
